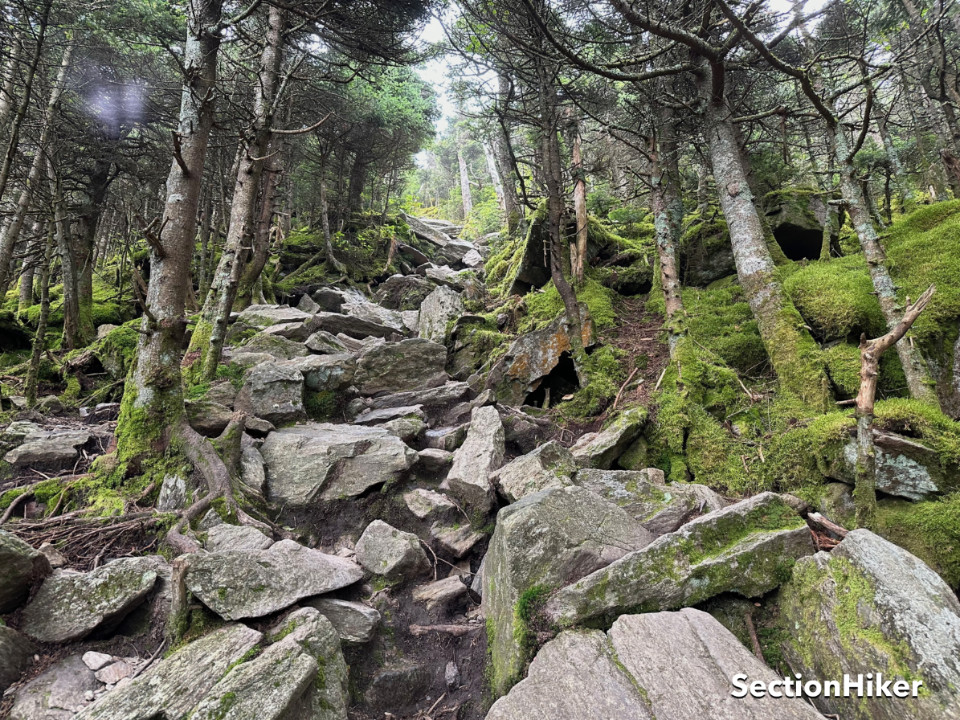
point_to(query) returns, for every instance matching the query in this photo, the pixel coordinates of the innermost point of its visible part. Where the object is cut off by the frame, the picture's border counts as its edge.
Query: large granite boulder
(403, 292)
(481, 453)
(323, 462)
(22, 566)
(869, 606)
(240, 584)
(371, 312)
(15, 654)
(550, 465)
(439, 308)
(659, 507)
(391, 553)
(330, 372)
(272, 391)
(354, 622)
(406, 365)
(748, 548)
(301, 676)
(323, 343)
(70, 605)
(440, 395)
(543, 542)
(276, 346)
(336, 323)
(904, 467)
(602, 449)
(172, 687)
(531, 358)
(224, 537)
(658, 666)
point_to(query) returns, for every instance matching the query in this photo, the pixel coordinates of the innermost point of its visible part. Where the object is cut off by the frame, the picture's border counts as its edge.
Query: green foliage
(720, 319)
(321, 406)
(545, 305)
(921, 249)
(836, 299)
(485, 218)
(930, 530)
(601, 374)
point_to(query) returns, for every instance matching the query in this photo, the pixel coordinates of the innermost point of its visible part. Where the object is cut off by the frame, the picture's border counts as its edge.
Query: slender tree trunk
(918, 377)
(32, 257)
(8, 92)
(896, 171)
(465, 196)
(68, 268)
(665, 203)
(578, 251)
(12, 231)
(210, 335)
(40, 338)
(13, 130)
(508, 171)
(793, 353)
(84, 244)
(494, 175)
(152, 409)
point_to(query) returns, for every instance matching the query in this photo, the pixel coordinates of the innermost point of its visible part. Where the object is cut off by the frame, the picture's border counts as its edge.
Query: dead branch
(455, 630)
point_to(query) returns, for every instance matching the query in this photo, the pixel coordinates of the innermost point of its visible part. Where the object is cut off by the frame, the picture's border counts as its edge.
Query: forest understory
(480, 359)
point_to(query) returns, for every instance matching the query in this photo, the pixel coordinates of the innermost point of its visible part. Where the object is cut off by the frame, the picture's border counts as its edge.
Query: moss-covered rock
(871, 607)
(748, 548)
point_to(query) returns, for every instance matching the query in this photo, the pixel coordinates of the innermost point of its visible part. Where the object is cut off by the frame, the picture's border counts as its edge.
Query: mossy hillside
(921, 249)
(110, 305)
(545, 305)
(929, 529)
(836, 298)
(843, 367)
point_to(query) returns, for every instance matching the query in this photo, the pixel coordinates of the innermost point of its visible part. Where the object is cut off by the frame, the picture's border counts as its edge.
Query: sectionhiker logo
(850, 686)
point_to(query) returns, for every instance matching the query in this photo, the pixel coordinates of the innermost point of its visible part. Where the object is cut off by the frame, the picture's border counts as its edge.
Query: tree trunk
(85, 243)
(68, 268)
(494, 175)
(865, 489)
(508, 171)
(210, 333)
(152, 407)
(578, 251)
(8, 92)
(358, 178)
(12, 231)
(793, 353)
(667, 209)
(40, 338)
(465, 196)
(918, 377)
(32, 258)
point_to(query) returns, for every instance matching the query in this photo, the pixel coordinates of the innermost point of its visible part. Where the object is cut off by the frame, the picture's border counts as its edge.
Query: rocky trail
(436, 547)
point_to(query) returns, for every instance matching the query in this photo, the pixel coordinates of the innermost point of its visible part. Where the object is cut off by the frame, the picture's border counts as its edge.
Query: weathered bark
(494, 173)
(327, 236)
(8, 92)
(358, 178)
(667, 209)
(251, 283)
(210, 335)
(919, 382)
(68, 268)
(84, 243)
(895, 166)
(152, 407)
(512, 208)
(793, 353)
(31, 258)
(13, 229)
(465, 196)
(578, 250)
(865, 489)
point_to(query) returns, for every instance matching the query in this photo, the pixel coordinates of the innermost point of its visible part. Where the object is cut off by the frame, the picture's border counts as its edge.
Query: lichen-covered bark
(667, 211)
(152, 404)
(793, 353)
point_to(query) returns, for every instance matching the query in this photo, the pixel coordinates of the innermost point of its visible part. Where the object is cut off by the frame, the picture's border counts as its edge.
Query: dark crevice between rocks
(799, 243)
(561, 381)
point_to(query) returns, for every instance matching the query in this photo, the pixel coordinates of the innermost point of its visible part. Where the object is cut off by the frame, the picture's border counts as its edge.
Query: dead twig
(455, 630)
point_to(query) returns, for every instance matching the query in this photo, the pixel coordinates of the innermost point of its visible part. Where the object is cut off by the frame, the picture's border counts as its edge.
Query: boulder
(869, 606)
(324, 343)
(447, 439)
(530, 359)
(297, 331)
(325, 372)
(659, 507)
(206, 417)
(70, 605)
(224, 537)
(748, 548)
(399, 683)
(324, 462)
(374, 313)
(445, 275)
(253, 474)
(542, 542)
(904, 467)
(407, 429)
(173, 493)
(403, 292)
(331, 299)
(481, 453)
(56, 693)
(427, 231)
(301, 676)
(266, 315)
(440, 395)
(457, 539)
(430, 505)
(439, 308)
(406, 365)
(394, 554)
(658, 666)
(354, 622)
(376, 417)
(308, 305)
(53, 449)
(272, 391)
(350, 325)
(240, 584)
(601, 450)
(550, 465)
(434, 460)
(22, 566)
(16, 651)
(173, 686)
(275, 346)
(440, 594)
